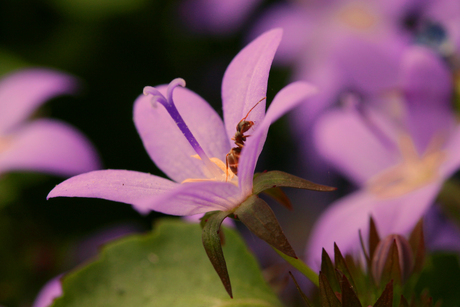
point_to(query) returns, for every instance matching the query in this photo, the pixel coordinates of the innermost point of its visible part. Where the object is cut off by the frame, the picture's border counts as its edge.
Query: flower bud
(393, 259)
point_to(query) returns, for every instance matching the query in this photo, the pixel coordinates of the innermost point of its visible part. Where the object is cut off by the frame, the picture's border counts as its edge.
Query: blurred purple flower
(399, 151)
(42, 145)
(216, 16)
(51, 290)
(439, 26)
(182, 148)
(340, 46)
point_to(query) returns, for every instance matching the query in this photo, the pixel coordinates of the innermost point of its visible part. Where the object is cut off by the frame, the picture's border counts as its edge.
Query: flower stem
(301, 267)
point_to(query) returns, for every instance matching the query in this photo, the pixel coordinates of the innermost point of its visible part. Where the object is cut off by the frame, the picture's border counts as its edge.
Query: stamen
(4, 143)
(168, 103)
(354, 104)
(411, 173)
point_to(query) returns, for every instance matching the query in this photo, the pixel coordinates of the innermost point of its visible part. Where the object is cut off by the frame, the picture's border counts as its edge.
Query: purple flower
(51, 290)
(399, 151)
(42, 145)
(188, 141)
(216, 16)
(340, 46)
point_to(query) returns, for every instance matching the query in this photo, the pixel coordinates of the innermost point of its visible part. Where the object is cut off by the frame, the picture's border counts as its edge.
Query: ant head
(244, 125)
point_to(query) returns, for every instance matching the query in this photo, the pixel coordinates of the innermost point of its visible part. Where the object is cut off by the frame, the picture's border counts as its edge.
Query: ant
(233, 157)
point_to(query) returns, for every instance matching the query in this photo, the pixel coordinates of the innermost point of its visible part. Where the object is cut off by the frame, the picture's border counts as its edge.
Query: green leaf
(273, 179)
(257, 215)
(386, 299)
(301, 267)
(166, 268)
(212, 245)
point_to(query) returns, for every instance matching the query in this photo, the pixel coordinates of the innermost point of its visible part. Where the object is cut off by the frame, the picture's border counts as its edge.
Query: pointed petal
(342, 220)
(196, 197)
(428, 123)
(166, 144)
(344, 139)
(289, 97)
(117, 185)
(48, 146)
(245, 80)
(24, 91)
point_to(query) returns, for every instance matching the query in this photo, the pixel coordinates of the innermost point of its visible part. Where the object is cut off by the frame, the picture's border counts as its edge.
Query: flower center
(213, 168)
(413, 172)
(357, 15)
(227, 174)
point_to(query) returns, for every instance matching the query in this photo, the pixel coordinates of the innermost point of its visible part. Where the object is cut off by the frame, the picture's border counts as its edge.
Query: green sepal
(403, 302)
(212, 244)
(349, 297)
(327, 268)
(374, 239)
(326, 294)
(341, 265)
(417, 243)
(386, 299)
(304, 297)
(392, 267)
(273, 179)
(257, 215)
(279, 195)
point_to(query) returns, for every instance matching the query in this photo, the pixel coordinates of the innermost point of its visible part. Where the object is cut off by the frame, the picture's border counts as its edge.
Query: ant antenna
(244, 118)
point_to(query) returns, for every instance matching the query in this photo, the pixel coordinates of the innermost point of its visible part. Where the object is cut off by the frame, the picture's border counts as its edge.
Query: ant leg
(226, 167)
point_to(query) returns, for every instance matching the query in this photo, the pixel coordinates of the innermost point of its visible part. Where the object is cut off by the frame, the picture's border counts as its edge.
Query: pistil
(168, 103)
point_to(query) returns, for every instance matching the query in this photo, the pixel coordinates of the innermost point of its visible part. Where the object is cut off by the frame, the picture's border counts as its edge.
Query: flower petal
(195, 197)
(356, 58)
(425, 78)
(441, 233)
(342, 220)
(452, 149)
(344, 139)
(24, 91)
(165, 143)
(117, 185)
(296, 25)
(245, 80)
(285, 100)
(51, 290)
(216, 16)
(48, 146)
